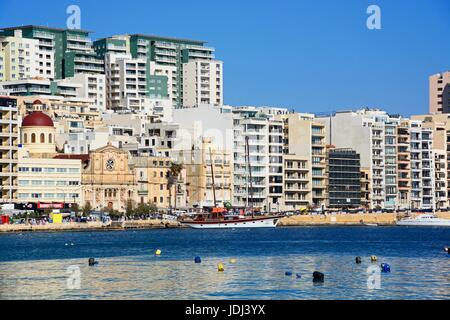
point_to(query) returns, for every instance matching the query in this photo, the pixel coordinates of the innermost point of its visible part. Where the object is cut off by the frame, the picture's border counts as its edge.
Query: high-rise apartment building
(67, 51)
(202, 82)
(181, 70)
(21, 58)
(440, 125)
(126, 82)
(440, 93)
(265, 189)
(9, 141)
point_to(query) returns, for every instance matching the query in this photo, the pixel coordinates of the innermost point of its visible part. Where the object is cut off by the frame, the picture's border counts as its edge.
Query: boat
(424, 220)
(219, 219)
(371, 224)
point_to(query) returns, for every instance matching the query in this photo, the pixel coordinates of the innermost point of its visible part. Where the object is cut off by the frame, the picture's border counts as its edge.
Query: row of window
(48, 195)
(49, 170)
(41, 138)
(48, 183)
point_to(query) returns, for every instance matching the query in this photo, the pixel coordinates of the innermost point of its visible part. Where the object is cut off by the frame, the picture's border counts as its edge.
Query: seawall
(384, 219)
(74, 226)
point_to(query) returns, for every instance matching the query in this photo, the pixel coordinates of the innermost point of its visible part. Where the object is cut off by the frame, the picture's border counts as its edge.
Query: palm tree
(172, 180)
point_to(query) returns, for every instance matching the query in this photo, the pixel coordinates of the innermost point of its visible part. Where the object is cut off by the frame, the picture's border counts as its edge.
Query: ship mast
(213, 181)
(250, 174)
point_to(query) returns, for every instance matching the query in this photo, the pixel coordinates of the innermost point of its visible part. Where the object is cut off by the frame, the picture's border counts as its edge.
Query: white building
(23, 58)
(265, 145)
(92, 86)
(203, 82)
(126, 82)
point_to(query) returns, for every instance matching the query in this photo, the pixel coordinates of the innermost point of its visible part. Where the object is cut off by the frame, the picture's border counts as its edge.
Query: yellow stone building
(107, 180)
(201, 163)
(152, 183)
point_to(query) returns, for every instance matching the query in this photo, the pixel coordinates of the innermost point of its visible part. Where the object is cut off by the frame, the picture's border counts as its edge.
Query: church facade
(107, 180)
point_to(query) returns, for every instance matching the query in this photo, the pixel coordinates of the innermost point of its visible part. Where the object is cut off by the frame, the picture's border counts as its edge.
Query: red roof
(37, 119)
(37, 102)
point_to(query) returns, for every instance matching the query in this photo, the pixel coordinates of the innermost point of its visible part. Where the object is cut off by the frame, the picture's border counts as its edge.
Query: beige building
(297, 182)
(60, 107)
(440, 93)
(107, 180)
(9, 140)
(305, 137)
(153, 183)
(202, 83)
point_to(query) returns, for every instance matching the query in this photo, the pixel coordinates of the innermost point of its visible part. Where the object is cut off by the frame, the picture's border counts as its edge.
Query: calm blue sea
(38, 265)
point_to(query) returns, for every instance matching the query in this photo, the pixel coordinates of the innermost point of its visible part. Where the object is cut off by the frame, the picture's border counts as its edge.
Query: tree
(172, 180)
(87, 208)
(130, 208)
(144, 209)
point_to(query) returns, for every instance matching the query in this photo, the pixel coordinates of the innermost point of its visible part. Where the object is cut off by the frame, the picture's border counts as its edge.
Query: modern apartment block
(343, 179)
(249, 123)
(398, 152)
(92, 87)
(9, 140)
(126, 82)
(21, 58)
(297, 182)
(169, 55)
(305, 137)
(440, 126)
(202, 82)
(373, 135)
(276, 164)
(403, 164)
(440, 93)
(422, 166)
(68, 51)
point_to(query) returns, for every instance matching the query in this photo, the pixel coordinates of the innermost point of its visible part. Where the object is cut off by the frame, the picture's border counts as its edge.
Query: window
(25, 138)
(33, 138)
(50, 138)
(42, 138)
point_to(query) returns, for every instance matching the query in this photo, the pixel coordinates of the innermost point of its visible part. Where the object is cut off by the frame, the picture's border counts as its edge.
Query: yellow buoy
(232, 260)
(158, 252)
(373, 258)
(220, 267)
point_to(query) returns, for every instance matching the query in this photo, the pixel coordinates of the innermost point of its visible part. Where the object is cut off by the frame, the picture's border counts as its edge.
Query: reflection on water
(34, 265)
(148, 277)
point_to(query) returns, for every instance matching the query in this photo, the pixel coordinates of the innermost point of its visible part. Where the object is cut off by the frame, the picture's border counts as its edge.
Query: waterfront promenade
(382, 219)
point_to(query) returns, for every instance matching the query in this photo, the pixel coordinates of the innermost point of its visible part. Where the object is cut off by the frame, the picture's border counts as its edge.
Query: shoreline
(338, 220)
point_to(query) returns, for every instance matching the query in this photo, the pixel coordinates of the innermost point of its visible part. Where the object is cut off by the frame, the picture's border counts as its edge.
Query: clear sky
(311, 56)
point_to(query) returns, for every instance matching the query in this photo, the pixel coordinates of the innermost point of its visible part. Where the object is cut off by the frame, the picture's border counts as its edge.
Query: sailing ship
(219, 218)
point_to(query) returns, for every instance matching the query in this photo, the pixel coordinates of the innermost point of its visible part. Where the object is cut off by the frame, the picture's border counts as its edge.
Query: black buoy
(318, 276)
(358, 260)
(92, 262)
(288, 273)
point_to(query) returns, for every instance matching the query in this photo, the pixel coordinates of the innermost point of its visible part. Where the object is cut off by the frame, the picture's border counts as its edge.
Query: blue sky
(311, 56)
